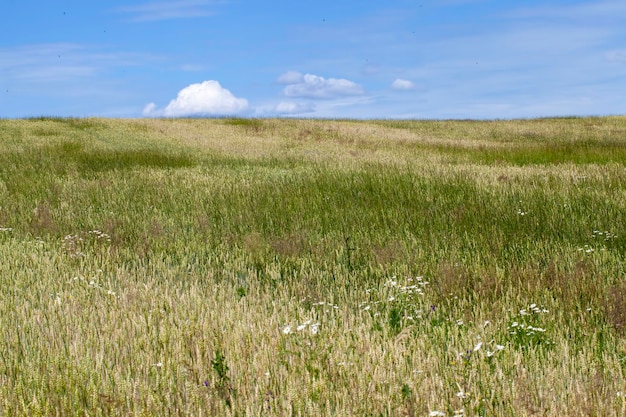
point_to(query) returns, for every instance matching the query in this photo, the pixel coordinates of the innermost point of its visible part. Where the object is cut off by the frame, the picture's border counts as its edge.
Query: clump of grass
(252, 125)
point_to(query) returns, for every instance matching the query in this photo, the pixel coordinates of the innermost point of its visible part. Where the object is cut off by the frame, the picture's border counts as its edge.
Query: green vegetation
(299, 267)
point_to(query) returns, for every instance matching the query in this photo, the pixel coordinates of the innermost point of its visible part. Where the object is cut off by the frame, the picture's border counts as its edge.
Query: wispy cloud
(192, 68)
(616, 56)
(291, 107)
(402, 85)
(290, 77)
(607, 9)
(43, 62)
(54, 62)
(167, 10)
(314, 86)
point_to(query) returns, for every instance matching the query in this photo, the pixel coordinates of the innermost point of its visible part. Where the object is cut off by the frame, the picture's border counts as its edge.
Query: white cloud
(150, 109)
(402, 85)
(290, 77)
(314, 86)
(166, 10)
(208, 98)
(290, 107)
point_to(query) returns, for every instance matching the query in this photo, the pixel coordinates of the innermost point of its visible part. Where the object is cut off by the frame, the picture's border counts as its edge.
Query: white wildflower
(287, 329)
(436, 413)
(478, 346)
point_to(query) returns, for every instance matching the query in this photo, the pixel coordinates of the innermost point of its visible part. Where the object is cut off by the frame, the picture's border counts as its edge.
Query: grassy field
(238, 267)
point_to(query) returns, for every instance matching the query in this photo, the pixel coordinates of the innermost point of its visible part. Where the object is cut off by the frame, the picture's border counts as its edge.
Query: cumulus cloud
(402, 85)
(314, 86)
(290, 77)
(290, 107)
(208, 98)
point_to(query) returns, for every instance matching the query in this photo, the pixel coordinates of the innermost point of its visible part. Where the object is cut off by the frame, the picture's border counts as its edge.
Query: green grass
(299, 267)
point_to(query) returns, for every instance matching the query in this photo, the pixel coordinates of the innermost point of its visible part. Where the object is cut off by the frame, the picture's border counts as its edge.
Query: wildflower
(459, 322)
(462, 394)
(499, 347)
(478, 346)
(206, 383)
(586, 249)
(392, 282)
(6, 229)
(315, 328)
(158, 365)
(287, 329)
(486, 323)
(300, 327)
(436, 413)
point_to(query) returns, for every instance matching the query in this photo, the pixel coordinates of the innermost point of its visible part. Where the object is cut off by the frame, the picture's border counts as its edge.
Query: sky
(394, 59)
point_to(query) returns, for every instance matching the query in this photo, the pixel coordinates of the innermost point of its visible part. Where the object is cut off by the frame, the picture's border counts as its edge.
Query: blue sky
(475, 59)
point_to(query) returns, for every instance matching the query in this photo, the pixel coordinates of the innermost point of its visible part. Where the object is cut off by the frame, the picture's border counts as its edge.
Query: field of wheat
(276, 267)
